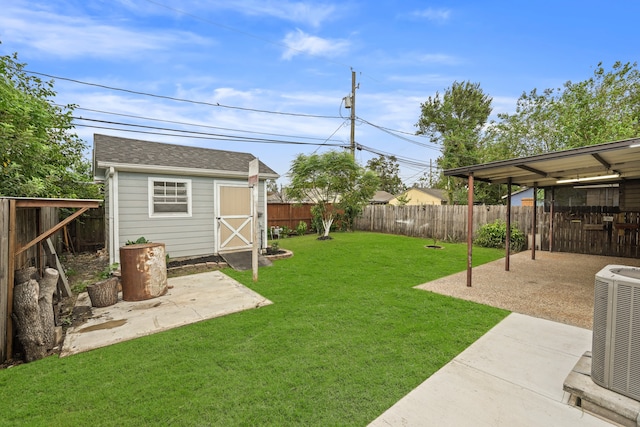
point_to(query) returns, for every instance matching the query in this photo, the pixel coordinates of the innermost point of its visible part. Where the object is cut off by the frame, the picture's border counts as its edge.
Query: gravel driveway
(555, 286)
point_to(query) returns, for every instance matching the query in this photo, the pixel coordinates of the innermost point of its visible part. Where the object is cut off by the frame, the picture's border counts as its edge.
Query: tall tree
(40, 155)
(388, 170)
(333, 181)
(455, 120)
(603, 108)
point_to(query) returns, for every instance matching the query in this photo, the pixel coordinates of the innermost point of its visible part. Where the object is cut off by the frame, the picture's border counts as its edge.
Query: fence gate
(235, 217)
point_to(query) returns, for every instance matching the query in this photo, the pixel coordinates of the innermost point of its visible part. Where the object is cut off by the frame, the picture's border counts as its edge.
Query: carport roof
(544, 170)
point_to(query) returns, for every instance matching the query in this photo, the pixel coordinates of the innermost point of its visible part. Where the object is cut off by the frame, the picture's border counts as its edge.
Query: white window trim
(153, 214)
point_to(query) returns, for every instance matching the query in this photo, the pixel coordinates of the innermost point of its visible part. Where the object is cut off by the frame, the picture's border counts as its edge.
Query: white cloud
(436, 15)
(298, 42)
(438, 58)
(68, 36)
(300, 12)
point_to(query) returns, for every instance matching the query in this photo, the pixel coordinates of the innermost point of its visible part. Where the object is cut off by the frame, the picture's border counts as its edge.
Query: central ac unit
(615, 362)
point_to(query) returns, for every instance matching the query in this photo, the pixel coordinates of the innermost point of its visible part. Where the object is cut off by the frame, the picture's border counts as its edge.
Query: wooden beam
(4, 267)
(65, 290)
(52, 230)
(57, 203)
(10, 273)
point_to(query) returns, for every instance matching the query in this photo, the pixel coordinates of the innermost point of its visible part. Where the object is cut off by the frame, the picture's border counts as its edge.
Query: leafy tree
(603, 108)
(276, 192)
(455, 120)
(388, 170)
(40, 156)
(334, 182)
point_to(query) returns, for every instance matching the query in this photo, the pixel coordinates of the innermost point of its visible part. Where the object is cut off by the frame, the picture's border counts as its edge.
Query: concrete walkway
(511, 376)
(190, 299)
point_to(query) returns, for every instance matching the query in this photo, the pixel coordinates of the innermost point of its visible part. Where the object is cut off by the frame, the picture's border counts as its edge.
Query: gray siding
(182, 236)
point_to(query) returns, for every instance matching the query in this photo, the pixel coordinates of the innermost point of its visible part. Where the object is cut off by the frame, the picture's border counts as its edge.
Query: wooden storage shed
(197, 201)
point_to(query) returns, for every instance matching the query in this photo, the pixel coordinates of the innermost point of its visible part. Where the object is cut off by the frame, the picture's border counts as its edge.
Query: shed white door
(235, 218)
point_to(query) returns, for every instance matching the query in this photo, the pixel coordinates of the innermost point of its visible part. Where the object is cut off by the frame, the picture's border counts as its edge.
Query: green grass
(346, 337)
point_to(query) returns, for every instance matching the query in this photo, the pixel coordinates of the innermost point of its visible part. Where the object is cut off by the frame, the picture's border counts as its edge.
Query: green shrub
(494, 235)
(140, 240)
(301, 229)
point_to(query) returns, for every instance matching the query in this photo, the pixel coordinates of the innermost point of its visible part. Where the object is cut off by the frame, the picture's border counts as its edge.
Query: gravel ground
(555, 286)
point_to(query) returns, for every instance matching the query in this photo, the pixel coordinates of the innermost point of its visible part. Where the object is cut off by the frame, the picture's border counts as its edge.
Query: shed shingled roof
(113, 150)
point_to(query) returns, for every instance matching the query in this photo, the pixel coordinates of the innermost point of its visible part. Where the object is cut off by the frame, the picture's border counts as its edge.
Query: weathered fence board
(28, 224)
(4, 275)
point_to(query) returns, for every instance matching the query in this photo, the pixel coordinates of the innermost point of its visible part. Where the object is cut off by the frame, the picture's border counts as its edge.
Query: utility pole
(353, 114)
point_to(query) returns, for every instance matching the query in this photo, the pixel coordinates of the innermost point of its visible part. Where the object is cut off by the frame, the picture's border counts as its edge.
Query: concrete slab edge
(598, 400)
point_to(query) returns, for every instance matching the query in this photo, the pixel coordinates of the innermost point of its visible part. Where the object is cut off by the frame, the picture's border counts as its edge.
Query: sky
(270, 77)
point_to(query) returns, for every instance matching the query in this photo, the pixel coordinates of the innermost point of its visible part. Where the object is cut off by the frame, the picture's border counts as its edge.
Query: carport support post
(507, 239)
(534, 220)
(469, 228)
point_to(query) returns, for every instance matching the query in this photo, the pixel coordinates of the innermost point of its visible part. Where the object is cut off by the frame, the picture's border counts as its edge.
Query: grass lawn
(346, 338)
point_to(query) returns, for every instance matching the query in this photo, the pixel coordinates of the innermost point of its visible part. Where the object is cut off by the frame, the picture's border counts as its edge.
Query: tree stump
(26, 315)
(23, 275)
(104, 293)
(48, 285)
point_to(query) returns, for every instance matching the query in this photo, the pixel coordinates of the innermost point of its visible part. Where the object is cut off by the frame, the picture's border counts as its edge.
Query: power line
(171, 98)
(198, 135)
(388, 131)
(400, 159)
(195, 124)
(329, 138)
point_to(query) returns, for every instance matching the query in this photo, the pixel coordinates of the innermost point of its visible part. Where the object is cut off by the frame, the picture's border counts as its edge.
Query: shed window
(169, 197)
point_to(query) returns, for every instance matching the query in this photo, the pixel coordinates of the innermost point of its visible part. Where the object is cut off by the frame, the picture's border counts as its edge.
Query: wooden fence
(288, 214)
(441, 222)
(87, 233)
(28, 223)
(593, 233)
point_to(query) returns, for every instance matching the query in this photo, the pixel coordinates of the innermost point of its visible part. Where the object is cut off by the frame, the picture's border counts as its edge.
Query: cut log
(26, 315)
(104, 293)
(25, 274)
(48, 285)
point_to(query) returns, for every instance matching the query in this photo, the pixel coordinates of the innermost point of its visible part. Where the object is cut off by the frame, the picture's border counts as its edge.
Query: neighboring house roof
(138, 155)
(381, 198)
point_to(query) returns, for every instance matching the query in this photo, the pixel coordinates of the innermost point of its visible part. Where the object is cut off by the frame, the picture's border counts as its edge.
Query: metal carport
(609, 162)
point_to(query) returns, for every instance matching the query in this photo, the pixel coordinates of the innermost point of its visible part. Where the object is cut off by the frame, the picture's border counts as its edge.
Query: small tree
(334, 182)
(403, 199)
